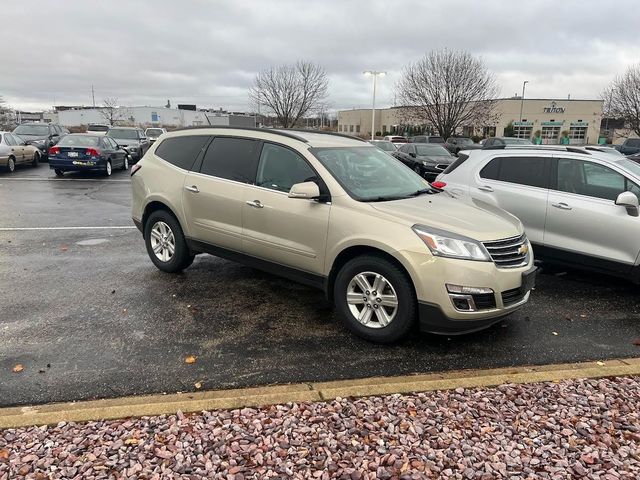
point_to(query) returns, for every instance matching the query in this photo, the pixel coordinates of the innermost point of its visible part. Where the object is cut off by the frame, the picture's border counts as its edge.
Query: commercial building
(149, 116)
(547, 119)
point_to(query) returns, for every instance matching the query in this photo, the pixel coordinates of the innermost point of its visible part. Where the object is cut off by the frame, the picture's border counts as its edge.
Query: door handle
(192, 188)
(485, 188)
(561, 206)
(255, 204)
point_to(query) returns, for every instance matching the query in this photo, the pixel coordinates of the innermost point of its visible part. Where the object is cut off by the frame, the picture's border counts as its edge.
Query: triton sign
(553, 109)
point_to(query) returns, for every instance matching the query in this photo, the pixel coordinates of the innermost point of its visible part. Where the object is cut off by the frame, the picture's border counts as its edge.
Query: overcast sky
(208, 52)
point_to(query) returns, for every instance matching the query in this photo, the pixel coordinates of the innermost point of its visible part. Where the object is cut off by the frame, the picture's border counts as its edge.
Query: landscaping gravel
(571, 429)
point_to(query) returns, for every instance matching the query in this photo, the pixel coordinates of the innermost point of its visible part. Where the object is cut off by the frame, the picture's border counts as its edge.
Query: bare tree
(6, 118)
(290, 91)
(449, 89)
(111, 112)
(622, 98)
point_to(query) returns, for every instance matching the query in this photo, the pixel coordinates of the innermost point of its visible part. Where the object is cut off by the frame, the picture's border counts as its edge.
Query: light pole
(524, 84)
(375, 75)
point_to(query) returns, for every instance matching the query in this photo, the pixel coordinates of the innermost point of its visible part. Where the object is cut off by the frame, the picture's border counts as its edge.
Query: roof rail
(335, 134)
(560, 148)
(252, 129)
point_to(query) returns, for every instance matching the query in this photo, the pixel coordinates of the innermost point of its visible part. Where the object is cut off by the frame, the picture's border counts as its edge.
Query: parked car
(338, 214)
(397, 140)
(455, 144)
(81, 152)
(427, 160)
(579, 207)
(14, 150)
(132, 139)
(631, 146)
(98, 128)
(385, 146)
(500, 141)
(426, 139)
(40, 135)
(153, 133)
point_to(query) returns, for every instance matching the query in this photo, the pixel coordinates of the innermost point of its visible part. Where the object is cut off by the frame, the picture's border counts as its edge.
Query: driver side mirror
(629, 201)
(308, 190)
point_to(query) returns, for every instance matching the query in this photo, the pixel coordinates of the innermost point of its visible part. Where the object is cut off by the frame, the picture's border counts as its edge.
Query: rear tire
(107, 169)
(59, 173)
(418, 170)
(11, 165)
(125, 165)
(36, 159)
(395, 285)
(165, 242)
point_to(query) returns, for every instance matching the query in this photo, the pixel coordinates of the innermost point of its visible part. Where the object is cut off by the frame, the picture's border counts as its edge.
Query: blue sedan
(80, 152)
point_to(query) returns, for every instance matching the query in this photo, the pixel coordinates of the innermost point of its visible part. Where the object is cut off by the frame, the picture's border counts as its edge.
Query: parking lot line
(105, 227)
(14, 417)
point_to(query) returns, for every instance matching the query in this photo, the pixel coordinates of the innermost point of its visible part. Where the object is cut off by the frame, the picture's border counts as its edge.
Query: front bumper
(437, 311)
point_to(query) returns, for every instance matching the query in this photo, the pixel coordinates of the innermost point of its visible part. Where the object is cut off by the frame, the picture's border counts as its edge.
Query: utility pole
(375, 75)
(93, 96)
(524, 84)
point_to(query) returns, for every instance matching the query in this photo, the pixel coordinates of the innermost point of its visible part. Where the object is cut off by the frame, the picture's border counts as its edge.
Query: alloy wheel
(163, 241)
(372, 300)
(108, 169)
(11, 165)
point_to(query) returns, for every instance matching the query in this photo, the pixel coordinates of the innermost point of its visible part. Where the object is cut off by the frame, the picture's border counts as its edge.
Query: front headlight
(38, 142)
(451, 245)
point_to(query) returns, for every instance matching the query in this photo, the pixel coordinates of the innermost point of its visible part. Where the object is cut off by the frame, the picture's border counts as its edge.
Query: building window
(578, 133)
(351, 128)
(522, 131)
(339, 128)
(384, 129)
(357, 128)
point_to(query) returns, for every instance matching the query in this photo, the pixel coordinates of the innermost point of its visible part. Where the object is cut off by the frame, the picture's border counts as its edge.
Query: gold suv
(336, 213)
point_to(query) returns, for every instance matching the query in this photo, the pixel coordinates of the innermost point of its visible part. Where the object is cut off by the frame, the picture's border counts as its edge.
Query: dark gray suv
(132, 139)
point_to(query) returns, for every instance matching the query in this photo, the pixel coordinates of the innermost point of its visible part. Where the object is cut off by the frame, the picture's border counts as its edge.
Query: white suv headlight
(451, 245)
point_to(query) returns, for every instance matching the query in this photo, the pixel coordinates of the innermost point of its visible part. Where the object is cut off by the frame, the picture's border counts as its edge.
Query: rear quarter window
(181, 151)
(457, 162)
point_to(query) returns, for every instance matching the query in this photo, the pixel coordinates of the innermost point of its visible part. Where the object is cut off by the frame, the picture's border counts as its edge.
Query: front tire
(165, 242)
(36, 159)
(418, 170)
(11, 165)
(125, 165)
(375, 299)
(59, 173)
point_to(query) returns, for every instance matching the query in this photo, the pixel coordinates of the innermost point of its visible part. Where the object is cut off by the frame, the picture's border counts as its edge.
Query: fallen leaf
(131, 441)
(600, 364)
(41, 371)
(4, 454)
(112, 292)
(190, 359)
(18, 368)
(64, 248)
(555, 333)
(198, 385)
(582, 315)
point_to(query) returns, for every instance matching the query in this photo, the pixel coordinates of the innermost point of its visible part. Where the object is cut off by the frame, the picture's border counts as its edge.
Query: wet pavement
(87, 315)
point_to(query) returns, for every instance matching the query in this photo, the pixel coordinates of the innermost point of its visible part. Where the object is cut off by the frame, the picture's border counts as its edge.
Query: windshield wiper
(422, 191)
(385, 199)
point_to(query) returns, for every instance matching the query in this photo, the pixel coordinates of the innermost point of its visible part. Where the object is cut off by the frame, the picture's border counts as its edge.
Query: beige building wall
(551, 117)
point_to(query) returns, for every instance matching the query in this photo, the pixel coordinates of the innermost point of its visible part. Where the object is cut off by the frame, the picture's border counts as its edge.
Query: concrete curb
(147, 405)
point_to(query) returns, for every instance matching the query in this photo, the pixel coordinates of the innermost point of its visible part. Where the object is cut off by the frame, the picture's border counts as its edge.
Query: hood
(126, 142)
(435, 160)
(468, 217)
(33, 137)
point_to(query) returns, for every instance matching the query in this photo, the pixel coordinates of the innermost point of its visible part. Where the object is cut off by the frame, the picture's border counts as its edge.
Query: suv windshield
(153, 132)
(431, 150)
(123, 133)
(98, 128)
(367, 174)
(384, 146)
(40, 130)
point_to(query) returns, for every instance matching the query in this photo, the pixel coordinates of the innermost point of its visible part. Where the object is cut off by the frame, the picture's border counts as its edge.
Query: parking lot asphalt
(87, 315)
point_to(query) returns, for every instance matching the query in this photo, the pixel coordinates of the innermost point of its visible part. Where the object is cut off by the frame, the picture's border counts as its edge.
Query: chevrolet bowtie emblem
(523, 250)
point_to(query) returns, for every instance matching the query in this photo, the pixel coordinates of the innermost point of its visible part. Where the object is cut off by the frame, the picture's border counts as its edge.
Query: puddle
(92, 241)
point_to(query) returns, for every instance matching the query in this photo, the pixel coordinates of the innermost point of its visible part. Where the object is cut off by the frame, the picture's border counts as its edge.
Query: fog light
(461, 304)
(467, 290)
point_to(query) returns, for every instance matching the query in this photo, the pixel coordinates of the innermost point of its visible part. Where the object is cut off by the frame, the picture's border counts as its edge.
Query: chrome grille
(507, 253)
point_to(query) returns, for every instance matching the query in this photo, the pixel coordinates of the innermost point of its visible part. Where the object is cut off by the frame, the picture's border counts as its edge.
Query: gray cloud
(207, 52)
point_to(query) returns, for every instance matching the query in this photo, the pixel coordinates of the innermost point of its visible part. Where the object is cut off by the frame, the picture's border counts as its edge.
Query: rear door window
(182, 151)
(231, 158)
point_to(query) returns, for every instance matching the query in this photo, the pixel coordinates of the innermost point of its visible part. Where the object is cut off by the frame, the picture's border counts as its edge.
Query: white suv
(579, 206)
